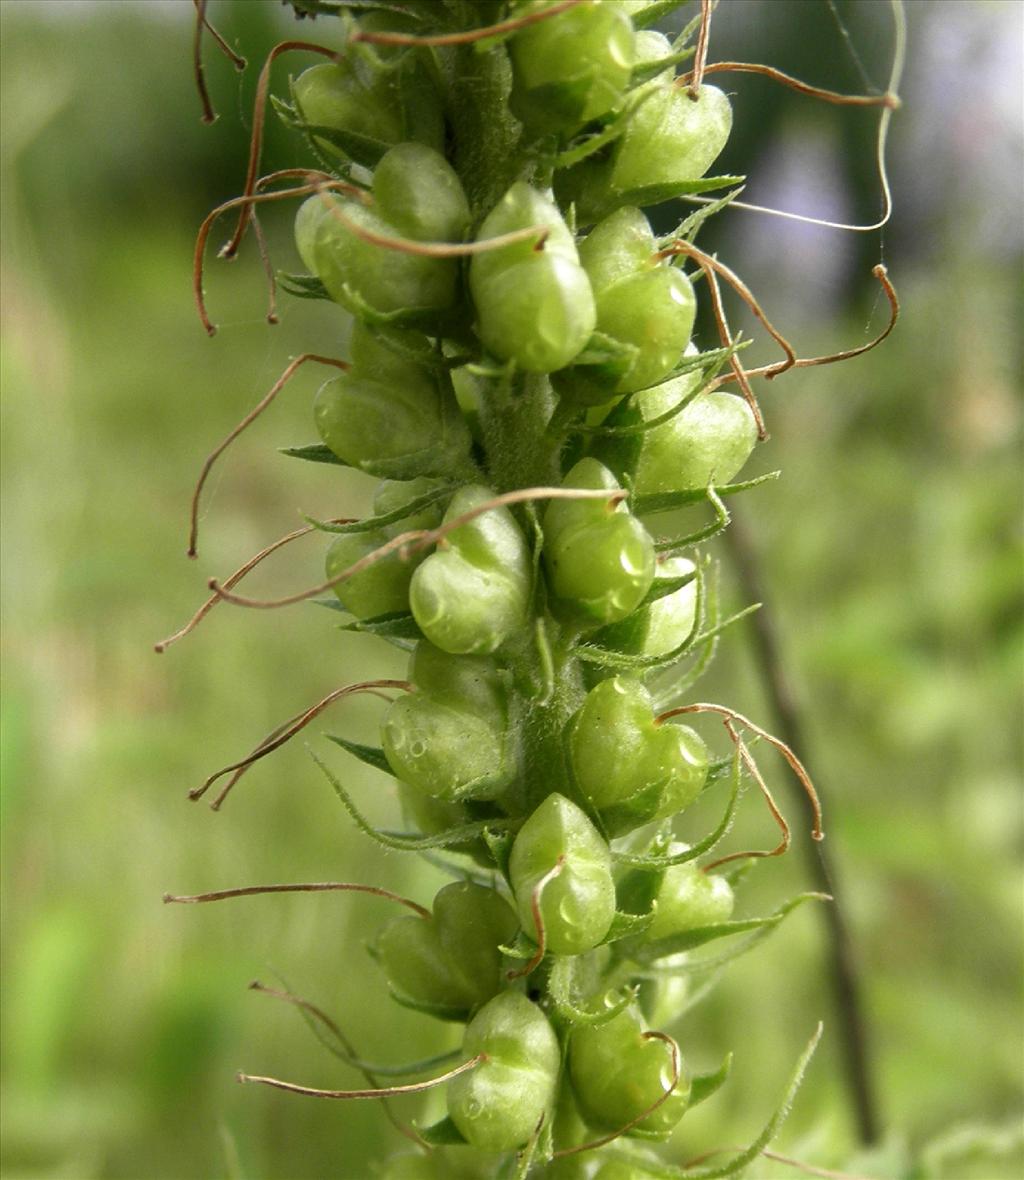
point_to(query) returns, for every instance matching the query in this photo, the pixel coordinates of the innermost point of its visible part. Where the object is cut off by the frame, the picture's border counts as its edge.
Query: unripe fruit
(687, 899)
(571, 68)
(498, 1104)
(382, 588)
(632, 770)
(617, 1074)
(599, 559)
(642, 304)
(664, 624)
(450, 739)
(415, 195)
(534, 306)
(333, 95)
(577, 905)
(710, 438)
(450, 962)
(472, 594)
(391, 416)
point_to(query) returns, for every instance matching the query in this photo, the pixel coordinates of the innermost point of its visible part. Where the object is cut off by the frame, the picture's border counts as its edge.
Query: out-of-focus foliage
(891, 545)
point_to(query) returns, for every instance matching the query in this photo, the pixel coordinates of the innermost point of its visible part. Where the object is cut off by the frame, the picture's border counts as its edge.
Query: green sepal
(521, 947)
(655, 194)
(363, 149)
(441, 1134)
(653, 13)
(647, 70)
(499, 844)
(688, 228)
(689, 939)
(560, 993)
(399, 625)
(369, 523)
(662, 587)
(626, 926)
(371, 755)
(667, 501)
(655, 861)
(404, 841)
(314, 453)
(611, 354)
(302, 286)
(703, 1085)
(739, 1162)
(439, 1011)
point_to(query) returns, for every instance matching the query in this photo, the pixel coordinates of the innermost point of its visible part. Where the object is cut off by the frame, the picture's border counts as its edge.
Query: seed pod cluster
(522, 382)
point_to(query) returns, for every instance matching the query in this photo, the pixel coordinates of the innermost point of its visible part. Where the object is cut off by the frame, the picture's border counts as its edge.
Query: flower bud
(577, 905)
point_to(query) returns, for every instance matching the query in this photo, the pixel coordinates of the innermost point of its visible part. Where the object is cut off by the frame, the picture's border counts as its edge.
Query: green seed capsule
(382, 588)
(450, 962)
(632, 770)
(471, 595)
(415, 195)
(687, 899)
(642, 304)
(664, 624)
(534, 306)
(451, 738)
(617, 1074)
(577, 905)
(391, 417)
(498, 1104)
(668, 142)
(334, 96)
(571, 68)
(599, 560)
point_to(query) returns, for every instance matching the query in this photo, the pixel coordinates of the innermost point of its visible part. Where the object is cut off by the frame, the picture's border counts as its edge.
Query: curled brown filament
(538, 921)
(209, 114)
(303, 887)
(410, 542)
(725, 336)
(644, 1114)
(344, 1049)
(259, 115)
(769, 371)
(888, 100)
(284, 733)
(696, 75)
(468, 37)
(315, 181)
(236, 577)
(254, 413)
(793, 761)
(383, 1092)
(744, 292)
(780, 819)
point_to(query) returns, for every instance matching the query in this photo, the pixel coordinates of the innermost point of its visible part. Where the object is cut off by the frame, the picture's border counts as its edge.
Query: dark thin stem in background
(846, 984)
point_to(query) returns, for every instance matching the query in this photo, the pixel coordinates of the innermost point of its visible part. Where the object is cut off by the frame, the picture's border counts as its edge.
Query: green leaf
(405, 841)
(369, 523)
(371, 755)
(689, 939)
(667, 501)
(703, 1085)
(315, 453)
(654, 12)
(441, 1134)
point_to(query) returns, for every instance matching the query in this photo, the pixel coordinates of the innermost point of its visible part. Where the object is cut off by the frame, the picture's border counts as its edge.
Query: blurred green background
(891, 549)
